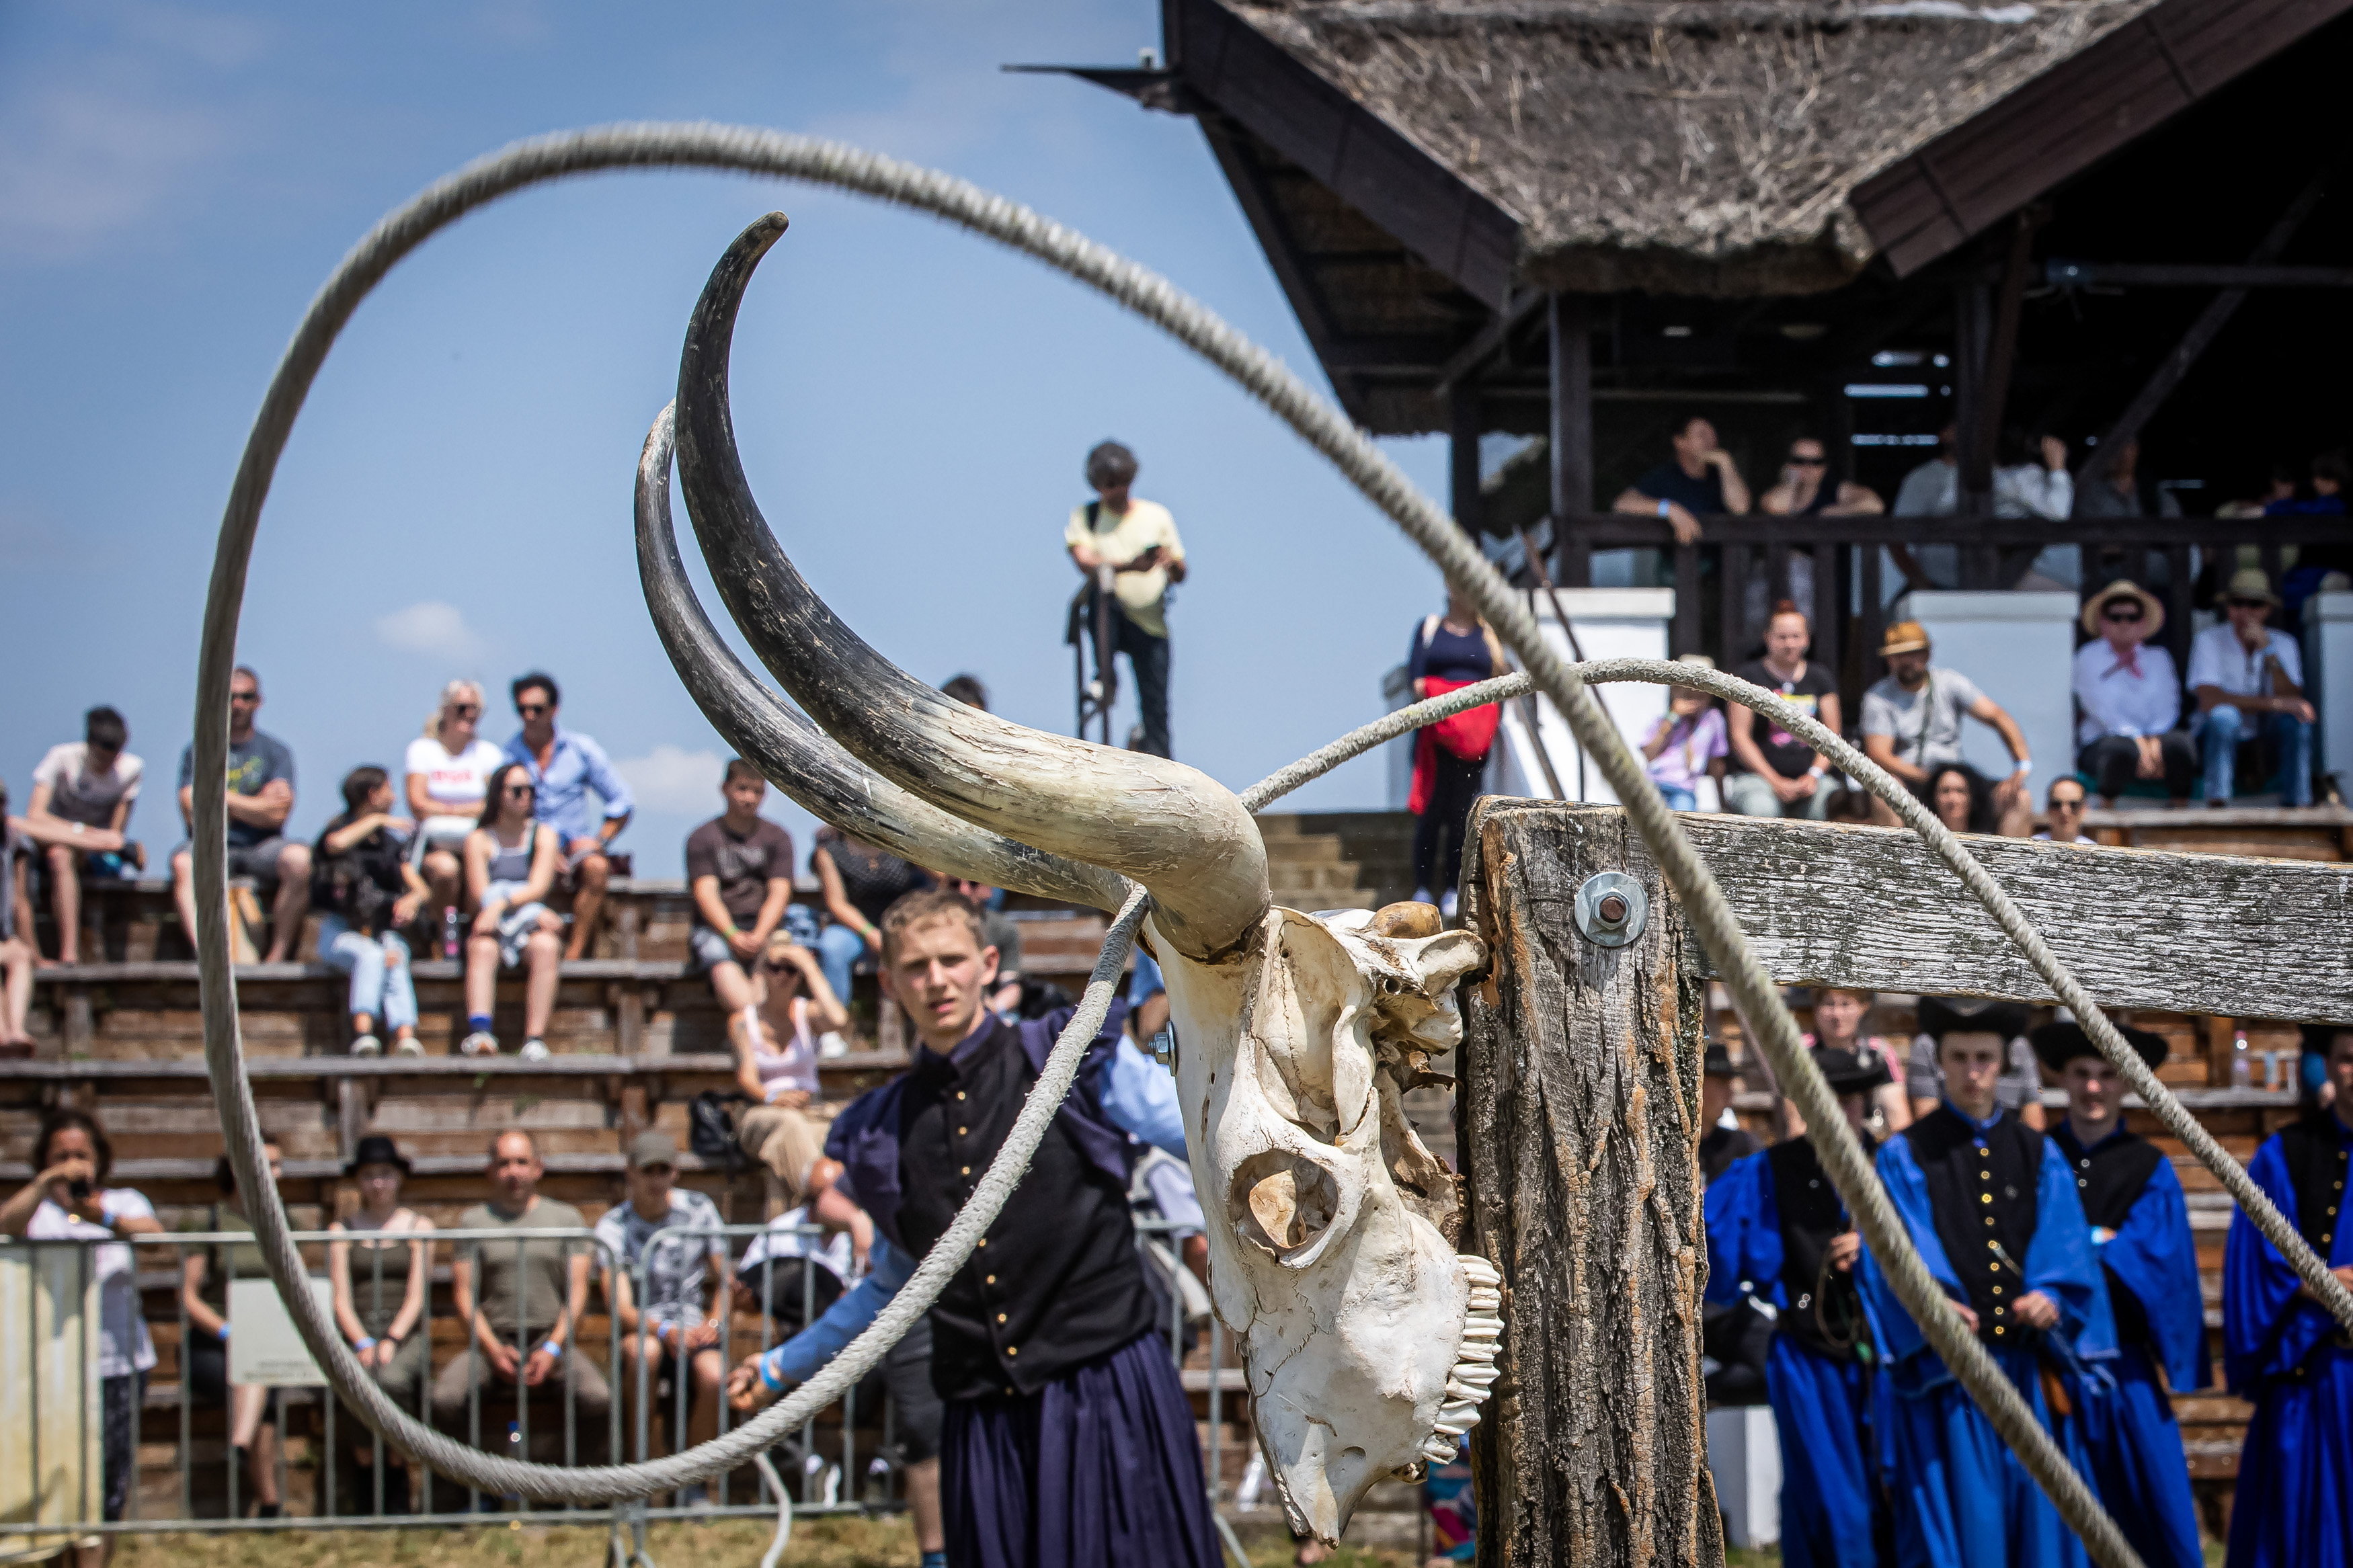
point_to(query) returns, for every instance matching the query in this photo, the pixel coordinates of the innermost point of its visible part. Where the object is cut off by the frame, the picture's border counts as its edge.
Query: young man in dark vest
(1067, 1441)
(2148, 1263)
(1777, 1233)
(2283, 1351)
(1992, 1208)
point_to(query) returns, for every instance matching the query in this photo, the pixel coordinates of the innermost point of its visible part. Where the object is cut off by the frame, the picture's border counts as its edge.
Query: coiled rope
(1316, 421)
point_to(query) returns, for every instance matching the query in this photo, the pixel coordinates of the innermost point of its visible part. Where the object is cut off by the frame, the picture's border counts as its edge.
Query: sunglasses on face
(1796, 461)
(248, 697)
(2248, 604)
(465, 710)
(519, 792)
(2122, 613)
(2067, 805)
(531, 710)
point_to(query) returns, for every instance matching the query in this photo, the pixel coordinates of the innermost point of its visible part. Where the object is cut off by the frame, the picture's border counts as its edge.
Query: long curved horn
(1177, 831)
(803, 761)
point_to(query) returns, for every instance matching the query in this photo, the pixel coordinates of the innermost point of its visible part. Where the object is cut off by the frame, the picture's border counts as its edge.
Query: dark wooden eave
(2064, 122)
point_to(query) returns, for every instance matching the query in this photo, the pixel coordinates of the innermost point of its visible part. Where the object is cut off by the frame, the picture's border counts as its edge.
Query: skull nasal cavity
(1280, 1202)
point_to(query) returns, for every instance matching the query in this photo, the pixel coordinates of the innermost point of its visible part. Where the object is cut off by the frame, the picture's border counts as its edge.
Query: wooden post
(1578, 1113)
(1569, 332)
(1466, 413)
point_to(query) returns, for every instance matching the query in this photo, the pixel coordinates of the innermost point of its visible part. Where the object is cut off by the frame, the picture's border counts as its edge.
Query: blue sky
(176, 182)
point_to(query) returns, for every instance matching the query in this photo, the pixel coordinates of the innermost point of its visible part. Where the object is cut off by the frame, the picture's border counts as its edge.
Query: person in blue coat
(2281, 1351)
(1991, 1207)
(1777, 1233)
(2149, 1260)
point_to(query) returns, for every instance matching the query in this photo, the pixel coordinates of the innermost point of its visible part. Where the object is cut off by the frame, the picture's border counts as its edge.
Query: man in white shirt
(82, 795)
(2128, 697)
(1138, 539)
(2249, 682)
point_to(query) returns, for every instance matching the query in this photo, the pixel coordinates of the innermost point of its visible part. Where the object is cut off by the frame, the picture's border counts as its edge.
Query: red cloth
(1468, 735)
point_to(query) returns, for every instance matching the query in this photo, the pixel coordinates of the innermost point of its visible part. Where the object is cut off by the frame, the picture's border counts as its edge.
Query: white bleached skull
(1367, 1341)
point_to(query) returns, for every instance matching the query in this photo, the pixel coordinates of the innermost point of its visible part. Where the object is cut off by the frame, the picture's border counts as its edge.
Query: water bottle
(2242, 1060)
(450, 933)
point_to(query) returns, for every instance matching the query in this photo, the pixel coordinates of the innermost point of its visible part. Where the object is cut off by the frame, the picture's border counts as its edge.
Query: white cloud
(670, 778)
(429, 626)
(78, 165)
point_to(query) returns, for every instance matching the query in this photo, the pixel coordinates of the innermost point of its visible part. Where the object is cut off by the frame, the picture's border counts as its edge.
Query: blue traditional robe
(1820, 1398)
(2286, 1354)
(2140, 1229)
(1958, 1494)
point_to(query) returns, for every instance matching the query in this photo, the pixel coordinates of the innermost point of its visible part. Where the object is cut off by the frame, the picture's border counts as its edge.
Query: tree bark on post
(1579, 1114)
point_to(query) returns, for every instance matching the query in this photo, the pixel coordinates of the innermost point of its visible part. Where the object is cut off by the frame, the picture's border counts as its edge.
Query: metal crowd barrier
(50, 1390)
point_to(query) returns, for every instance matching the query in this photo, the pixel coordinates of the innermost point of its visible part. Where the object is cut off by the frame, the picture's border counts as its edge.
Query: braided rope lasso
(755, 152)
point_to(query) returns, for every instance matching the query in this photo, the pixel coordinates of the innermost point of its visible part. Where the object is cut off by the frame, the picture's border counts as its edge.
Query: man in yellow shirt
(1138, 539)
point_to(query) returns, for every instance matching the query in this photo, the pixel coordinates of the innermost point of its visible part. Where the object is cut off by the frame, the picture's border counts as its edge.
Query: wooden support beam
(2175, 367)
(2173, 275)
(1578, 1117)
(1466, 417)
(1569, 330)
(1490, 341)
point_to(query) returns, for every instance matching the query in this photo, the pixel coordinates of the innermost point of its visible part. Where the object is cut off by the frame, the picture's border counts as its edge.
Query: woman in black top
(363, 891)
(1449, 758)
(860, 880)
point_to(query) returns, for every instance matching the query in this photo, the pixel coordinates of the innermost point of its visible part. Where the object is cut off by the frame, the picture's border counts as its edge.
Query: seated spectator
(1807, 490)
(82, 795)
(2327, 497)
(2118, 493)
(204, 1277)
(665, 1293)
(537, 1292)
(1961, 798)
(512, 860)
(565, 765)
(857, 881)
(739, 869)
(447, 771)
(19, 956)
(2249, 682)
(789, 1276)
(1912, 723)
(1687, 743)
(966, 690)
(1771, 772)
(776, 1050)
(1840, 1015)
(68, 1200)
(2029, 479)
(2279, 486)
(1001, 931)
(2129, 697)
(2019, 1086)
(380, 1289)
(260, 799)
(364, 889)
(1699, 480)
(2064, 806)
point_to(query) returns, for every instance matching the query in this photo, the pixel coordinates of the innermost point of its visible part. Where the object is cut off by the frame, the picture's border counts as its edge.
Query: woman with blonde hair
(447, 771)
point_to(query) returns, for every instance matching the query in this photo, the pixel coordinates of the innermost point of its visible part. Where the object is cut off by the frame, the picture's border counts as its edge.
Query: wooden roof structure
(1423, 174)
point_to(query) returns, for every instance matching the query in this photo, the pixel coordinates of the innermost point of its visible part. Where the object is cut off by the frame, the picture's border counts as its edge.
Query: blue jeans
(381, 989)
(839, 947)
(1677, 797)
(2221, 728)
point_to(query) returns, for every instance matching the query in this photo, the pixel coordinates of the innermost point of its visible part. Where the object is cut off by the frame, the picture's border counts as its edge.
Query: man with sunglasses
(565, 765)
(2129, 698)
(2249, 682)
(260, 799)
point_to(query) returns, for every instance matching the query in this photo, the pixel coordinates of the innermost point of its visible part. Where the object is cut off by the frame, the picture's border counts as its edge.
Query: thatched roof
(1680, 146)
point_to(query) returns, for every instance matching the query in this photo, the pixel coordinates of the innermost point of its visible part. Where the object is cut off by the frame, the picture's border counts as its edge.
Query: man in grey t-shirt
(1912, 725)
(260, 799)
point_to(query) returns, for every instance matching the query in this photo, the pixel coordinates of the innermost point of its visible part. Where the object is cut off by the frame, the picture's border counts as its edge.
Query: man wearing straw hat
(2249, 682)
(2129, 698)
(1912, 724)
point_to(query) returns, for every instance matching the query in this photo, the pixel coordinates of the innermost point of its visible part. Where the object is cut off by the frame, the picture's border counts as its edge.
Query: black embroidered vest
(2110, 1180)
(1824, 1313)
(1981, 1192)
(2317, 1155)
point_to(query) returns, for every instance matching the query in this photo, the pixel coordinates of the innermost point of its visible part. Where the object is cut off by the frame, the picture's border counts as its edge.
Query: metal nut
(1612, 909)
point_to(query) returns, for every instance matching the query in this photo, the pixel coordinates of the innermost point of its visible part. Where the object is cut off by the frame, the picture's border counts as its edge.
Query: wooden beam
(2202, 332)
(1490, 341)
(1570, 339)
(1871, 908)
(1468, 421)
(2171, 275)
(1578, 1119)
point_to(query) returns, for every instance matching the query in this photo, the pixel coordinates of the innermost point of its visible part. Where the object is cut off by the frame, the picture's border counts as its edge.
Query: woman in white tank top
(776, 1063)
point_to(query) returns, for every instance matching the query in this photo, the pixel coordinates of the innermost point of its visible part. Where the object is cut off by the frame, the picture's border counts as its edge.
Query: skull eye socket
(1281, 1203)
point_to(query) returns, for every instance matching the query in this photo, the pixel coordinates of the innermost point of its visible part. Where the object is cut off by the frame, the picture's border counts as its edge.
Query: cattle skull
(1367, 1342)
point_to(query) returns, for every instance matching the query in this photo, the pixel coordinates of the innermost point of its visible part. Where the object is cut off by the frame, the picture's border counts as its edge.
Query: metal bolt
(1612, 909)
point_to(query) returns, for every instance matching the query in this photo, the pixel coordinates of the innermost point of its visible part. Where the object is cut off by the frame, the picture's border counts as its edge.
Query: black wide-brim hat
(1719, 1061)
(2058, 1044)
(1852, 1072)
(375, 1149)
(2319, 1037)
(1942, 1015)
